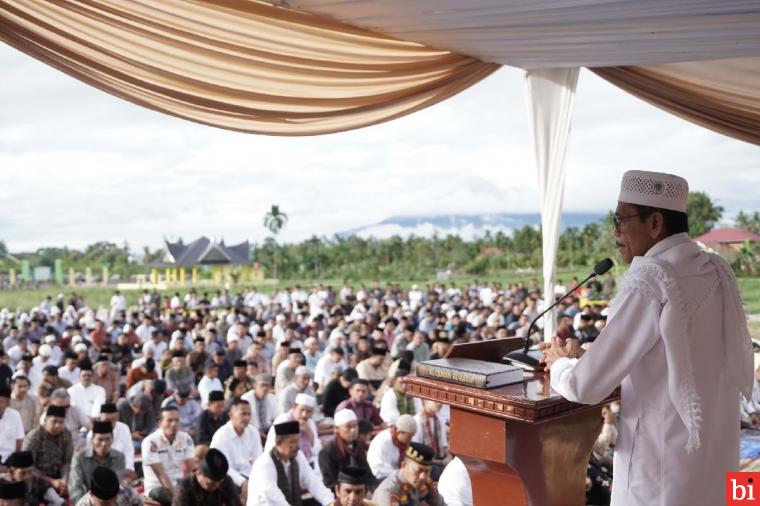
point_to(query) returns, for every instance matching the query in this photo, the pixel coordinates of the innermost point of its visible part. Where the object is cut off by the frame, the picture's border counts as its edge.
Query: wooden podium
(522, 444)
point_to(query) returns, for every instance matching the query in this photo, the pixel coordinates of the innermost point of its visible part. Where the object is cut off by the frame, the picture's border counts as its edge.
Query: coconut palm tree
(275, 220)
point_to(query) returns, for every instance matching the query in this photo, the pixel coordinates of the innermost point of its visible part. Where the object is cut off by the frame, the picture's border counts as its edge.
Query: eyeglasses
(617, 219)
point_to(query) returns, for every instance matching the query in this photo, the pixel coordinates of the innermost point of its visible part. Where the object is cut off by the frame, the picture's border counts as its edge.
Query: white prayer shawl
(677, 343)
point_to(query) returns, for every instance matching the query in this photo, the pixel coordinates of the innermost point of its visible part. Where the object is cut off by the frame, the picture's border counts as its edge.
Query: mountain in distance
(466, 226)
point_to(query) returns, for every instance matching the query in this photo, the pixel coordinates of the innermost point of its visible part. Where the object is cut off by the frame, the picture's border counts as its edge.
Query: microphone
(529, 360)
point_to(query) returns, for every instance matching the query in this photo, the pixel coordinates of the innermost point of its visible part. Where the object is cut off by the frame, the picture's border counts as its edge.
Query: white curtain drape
(550, 94)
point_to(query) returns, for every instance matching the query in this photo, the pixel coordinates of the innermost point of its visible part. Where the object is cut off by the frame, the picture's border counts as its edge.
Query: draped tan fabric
(238, 64)
(722, 95)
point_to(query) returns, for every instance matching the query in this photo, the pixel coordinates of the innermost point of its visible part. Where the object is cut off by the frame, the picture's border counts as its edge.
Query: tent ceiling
(561, 33)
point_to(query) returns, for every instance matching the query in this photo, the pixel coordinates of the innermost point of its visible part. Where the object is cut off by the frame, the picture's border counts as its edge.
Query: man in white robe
(264, 406)
(310, 444)
(386, 451)
(86, 395)
(677, 338)
(283, 472)
(240, 442)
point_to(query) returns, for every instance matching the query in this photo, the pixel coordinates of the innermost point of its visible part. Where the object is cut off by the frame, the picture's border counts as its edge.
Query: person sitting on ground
(241, 443)
(359, 404)
(353, 486)
(395, 401)
(336, 391)
(264, 407)
(210, 383)
(98, 454)
(137, 414)
(211, 419)
(39, 490)
(329, 367)
(52, 448)
(25, 403)
(310, 444)
(374, 369)
(279, 475)
(411, 485)
(167, 454)
(386, 451)
(431, 431)
(287, 369)
(106, 490)
(122, 439)
(106, 378)
(189, 409)
(146, 371)
(180, 377)
(208, 485)
(301, 385)
(345, 450)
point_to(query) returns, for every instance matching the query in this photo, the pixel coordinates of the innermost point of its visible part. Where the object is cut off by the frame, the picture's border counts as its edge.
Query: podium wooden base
(522, 444)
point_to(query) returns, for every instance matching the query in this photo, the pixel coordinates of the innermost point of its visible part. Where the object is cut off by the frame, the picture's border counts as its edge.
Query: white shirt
(144, 332)
(651, 464)
(271, 409)
(325, 368)
(316, 444)
(454, 485)
(156, 449)
(241, 450)
(207, 385)
(389, 407)
(11, 430)
(89, 399)
(71, 376)
(122, 441)
(262, 484)
(383, 456)
(421, 437)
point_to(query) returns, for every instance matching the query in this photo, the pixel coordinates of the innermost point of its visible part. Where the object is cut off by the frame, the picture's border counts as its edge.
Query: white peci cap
(344, 416)
(654, 189)
(305, 400)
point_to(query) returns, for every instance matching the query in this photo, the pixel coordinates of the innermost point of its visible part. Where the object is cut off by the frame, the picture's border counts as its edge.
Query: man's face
(414, 473)
(261, 389)
(636, 235)
(359, 393)
(109, 417)
(85, 378)
(212, 372)
(240, 416)
(177, 363)
(216, 408)
(207, 483)
(295, 360)
(348, 432)
(54, 425)
(287, 447)
(20, 388)
(404, 437)
(302, 413)
(350, 495)
(170, 423)
(101, 444)
(301, 382)
(24, 474)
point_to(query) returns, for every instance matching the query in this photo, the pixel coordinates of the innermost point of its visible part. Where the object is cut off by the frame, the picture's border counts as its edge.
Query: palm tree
(274, 220)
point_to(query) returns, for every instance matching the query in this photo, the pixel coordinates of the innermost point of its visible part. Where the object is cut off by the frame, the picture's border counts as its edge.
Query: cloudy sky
(79, 165)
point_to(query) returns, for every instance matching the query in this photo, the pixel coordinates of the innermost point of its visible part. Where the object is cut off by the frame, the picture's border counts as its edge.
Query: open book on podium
(522, 443)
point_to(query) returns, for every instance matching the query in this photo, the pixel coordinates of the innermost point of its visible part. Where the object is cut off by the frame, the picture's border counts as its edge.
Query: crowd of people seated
(293, 397)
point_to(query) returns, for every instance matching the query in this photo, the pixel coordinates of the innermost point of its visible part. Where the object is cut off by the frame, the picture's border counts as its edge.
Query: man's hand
(244, 491)
(60, 486)
(556, 350)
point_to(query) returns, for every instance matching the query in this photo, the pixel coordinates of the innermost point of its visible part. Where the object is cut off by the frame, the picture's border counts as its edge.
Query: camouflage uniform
(52, 454)
(393, 490)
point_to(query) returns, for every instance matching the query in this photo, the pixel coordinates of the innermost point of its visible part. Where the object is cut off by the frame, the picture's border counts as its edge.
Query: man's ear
(656, 225)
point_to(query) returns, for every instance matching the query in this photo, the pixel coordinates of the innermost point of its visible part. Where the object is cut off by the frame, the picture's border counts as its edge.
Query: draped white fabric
(550, 94)
(562, 33)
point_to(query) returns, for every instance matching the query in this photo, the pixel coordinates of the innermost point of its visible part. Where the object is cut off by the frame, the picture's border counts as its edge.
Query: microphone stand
(530, 359)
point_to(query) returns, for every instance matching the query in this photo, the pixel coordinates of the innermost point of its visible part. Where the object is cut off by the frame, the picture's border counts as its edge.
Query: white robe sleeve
(389, 407)
(632, 330)
(380, 456)
(313, 482)
(262, 484)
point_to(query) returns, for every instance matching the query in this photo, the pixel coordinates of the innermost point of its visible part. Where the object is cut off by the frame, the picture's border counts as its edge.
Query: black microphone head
(603, 267)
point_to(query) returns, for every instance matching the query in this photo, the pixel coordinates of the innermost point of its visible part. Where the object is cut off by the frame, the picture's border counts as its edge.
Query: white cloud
(79, 165)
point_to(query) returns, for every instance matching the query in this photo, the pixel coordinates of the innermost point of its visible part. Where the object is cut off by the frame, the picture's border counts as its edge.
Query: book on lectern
(470, 372)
